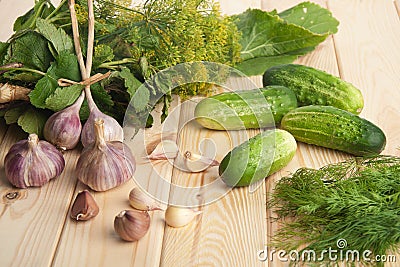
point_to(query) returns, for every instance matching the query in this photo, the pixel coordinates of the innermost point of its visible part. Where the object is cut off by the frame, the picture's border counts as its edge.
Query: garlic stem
(89, 53)
(33, 140)
(99, 133)
(77, 42)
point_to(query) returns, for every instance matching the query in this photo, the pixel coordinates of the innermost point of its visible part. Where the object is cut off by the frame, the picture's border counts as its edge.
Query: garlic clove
(141, 201)
(132, 225)
(179, 217)
(166, 149)
(84, 207)
(33, 162)
(197, 163)
(103, 164)
(63, 128)
(112, 130)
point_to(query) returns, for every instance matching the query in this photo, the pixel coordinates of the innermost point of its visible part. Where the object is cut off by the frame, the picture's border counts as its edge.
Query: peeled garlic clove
(198, 163)
(132, 225)
(63, 128)
(103, 164)
(33, 162)
(179, 217)
(166, 149)
(84, 207)
(112, 130)
(141, 201)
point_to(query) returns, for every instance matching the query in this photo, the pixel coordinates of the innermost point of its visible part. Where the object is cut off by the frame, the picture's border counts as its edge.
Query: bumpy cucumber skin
(257, 158)
(315, 87)
(245, 109)
(334, 128)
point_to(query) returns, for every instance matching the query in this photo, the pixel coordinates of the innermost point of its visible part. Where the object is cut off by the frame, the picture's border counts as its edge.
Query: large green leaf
(58, 37)
(63, 97)
(65, 66)
(312, 17)
(264, 34)
(33, 121)
(32, 51)
(41, 9)
(269, 38)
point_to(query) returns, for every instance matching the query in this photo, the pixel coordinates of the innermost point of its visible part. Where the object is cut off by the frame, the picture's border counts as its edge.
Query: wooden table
(35, 227)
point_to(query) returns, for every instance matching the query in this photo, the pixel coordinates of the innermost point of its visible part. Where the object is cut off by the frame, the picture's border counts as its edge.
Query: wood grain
(234, 223)
(95, 243)
(36, 230)
(3, 130)
(368, 57)
(33, 221)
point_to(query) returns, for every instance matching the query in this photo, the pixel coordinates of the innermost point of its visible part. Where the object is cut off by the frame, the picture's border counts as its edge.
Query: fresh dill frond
(357, 200)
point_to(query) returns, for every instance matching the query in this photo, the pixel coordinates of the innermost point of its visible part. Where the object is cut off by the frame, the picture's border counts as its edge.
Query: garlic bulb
(112, 130)
(32, 162)
(103, 164)
(132, 225)
(84, 207)
(179, 217)
(141, 201)
(63, 128)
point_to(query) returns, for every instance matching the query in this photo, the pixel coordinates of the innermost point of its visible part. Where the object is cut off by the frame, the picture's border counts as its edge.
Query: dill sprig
(357, 200)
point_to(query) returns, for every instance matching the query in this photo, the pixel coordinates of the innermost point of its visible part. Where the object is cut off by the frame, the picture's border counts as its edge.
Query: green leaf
(141, 98)
(102, 53)
(100, 96)
(63, 97)
(32, 51)
(269, 38)
(11, 116)
(312, 17)
(33, 121)
(131, 83)
(43, 89)
(269, 35)
(41, 9)
(3, 51)
(58, 37)
(259, 65)
(65, 66)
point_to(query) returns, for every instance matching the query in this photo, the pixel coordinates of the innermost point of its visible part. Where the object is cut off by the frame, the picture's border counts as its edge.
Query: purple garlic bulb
(63, 128)
(33, 162)
(103, 164)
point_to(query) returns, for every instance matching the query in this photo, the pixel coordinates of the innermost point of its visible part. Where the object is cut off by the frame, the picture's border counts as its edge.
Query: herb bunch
(137, 42)
(357, 200)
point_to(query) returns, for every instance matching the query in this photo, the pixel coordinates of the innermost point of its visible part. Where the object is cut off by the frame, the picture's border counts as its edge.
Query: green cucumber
(334, 128)
(257, 158)
(315, 87)
(250, 109)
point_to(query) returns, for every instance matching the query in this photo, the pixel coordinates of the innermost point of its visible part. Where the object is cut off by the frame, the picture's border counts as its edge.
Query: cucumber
(334, 128)
(250, 109)
(257, 158)
(315, 87)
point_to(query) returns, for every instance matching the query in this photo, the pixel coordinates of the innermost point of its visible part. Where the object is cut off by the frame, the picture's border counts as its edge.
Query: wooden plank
(94, 243)
(230, 230)
(31, 223)
(3, 129)
(369, 57)
(324, 58)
